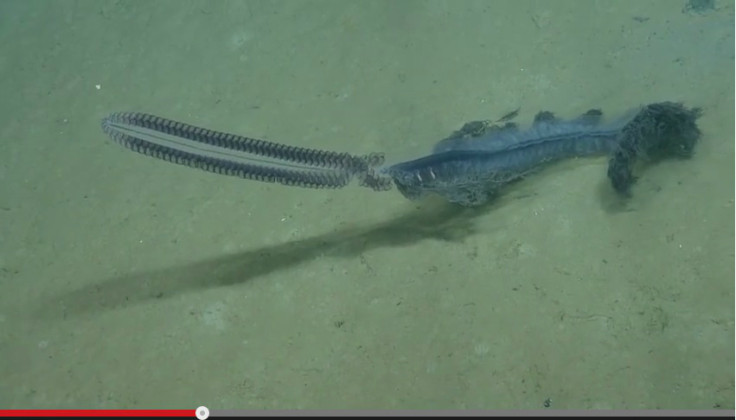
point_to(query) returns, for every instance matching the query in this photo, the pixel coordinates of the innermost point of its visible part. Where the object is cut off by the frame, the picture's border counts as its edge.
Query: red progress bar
(97, 413)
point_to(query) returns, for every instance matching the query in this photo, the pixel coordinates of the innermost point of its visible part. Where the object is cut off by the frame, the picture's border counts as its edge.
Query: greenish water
(130, 283)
